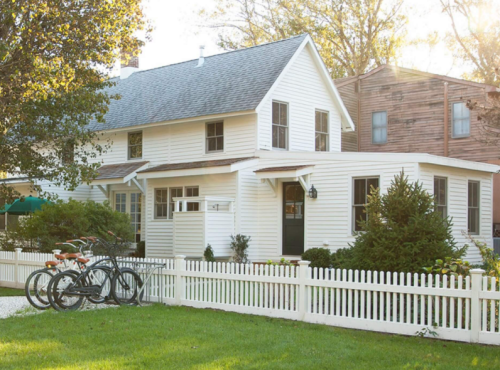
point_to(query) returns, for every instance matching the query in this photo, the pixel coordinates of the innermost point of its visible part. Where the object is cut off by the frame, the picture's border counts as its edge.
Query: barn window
(461, 120)
(379, 127)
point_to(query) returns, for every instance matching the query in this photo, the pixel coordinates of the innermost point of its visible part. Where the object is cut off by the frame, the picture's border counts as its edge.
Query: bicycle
(67, 292)
(37, 282)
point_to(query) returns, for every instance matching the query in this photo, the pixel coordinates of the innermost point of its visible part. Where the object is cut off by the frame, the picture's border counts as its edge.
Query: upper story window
(215, 137)
(379, 127)
(280, 125)
(135, 145)
(362, 188)
(68, 153)
(473, 207)
(461, 120)
(441, 195)
(321, 131)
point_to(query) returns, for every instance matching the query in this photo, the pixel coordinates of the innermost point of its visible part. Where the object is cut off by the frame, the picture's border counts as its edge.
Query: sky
(178, 35)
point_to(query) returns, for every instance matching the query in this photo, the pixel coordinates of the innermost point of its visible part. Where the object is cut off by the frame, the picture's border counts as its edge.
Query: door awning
(300, 173)
(120, 173)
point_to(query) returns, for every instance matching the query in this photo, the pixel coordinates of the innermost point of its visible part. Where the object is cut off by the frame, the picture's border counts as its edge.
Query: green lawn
(160, 337)
(9, 292)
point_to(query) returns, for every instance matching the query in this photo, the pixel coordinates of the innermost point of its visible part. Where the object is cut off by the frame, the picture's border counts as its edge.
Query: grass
(9, 292)
(159, 337)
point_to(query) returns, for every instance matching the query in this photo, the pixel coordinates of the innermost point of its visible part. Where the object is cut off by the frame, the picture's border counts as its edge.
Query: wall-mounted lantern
(313, 193)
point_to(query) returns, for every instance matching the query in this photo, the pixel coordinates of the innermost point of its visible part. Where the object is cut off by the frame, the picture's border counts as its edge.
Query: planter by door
(293, 218)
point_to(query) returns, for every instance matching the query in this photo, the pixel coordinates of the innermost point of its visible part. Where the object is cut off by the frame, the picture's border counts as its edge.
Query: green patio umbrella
(30, 205)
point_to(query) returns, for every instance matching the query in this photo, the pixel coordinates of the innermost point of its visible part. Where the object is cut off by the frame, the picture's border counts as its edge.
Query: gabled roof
(347, 80)
(230, 82)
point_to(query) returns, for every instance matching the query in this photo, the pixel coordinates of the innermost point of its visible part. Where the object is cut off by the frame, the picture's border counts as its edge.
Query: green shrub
(341, 258)
(403, 231)
(60, 221)
(319, 257)
(209, 254)
(239, 245)
(449, 266)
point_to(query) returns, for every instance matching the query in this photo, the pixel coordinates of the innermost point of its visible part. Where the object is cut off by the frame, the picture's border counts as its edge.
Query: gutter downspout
(446, 119)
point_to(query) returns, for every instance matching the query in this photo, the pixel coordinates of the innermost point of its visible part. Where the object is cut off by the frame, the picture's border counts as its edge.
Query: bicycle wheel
(61, 300)
(125, 286)
(101, 276)
(36, 287)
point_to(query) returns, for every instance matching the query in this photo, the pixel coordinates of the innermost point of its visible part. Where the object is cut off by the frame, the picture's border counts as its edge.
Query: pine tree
(403, 231)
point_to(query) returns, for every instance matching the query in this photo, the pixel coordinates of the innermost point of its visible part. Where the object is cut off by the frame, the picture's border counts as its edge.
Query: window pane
(212, 144)
(275, 136)
(324, 122)
(359, 214)
(193, 207)
(371, 182)
(210, 129)
(276, 113)
(359, 191)
(318, 121)
(283, 115)
(461, 120)
(219, 129)
(379, 127)
(220, 143)
(282, 137)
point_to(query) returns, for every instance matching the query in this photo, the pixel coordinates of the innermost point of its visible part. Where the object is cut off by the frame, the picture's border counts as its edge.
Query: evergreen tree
(403, 231)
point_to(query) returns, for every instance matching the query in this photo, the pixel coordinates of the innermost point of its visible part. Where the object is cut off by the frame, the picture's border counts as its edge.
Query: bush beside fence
(461, 309)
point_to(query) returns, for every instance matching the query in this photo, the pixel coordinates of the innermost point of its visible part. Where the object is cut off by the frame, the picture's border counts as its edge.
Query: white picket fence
(455, 309)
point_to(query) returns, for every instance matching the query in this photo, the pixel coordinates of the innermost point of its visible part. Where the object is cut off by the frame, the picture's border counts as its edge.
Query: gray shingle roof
(116, 171)
(229, 82)
(192, 165)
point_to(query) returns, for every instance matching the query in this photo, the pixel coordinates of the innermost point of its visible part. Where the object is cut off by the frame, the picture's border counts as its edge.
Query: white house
(233, 143)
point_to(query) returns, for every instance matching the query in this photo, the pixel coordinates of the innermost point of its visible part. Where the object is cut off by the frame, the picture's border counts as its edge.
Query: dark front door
(293, 219)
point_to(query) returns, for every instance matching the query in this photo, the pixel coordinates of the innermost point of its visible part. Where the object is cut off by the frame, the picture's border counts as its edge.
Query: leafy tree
(475, 36)
(55, 56)
(403, 231)
(61, 221)
(352, 36)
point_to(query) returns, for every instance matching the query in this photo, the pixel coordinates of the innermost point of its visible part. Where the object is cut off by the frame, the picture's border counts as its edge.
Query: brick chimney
(129, 67)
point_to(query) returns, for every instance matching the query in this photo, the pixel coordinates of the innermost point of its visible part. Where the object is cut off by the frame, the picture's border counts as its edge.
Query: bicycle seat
(52, 263)
(61, 256)
(83, 260)
(73, 256)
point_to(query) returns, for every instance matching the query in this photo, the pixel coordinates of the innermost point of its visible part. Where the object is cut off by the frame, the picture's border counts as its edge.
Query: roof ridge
(224, 53)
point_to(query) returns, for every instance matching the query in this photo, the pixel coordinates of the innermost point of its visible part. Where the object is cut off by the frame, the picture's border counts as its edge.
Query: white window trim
(223, 138)
(287, 140)
(327, 127)
(386, 127)
(478, 206)
(453, 136)
(351, 196)
(128, 145)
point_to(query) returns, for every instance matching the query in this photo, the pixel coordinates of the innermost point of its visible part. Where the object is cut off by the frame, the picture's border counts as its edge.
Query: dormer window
(135, 145)
(280, 125)
(215, 137)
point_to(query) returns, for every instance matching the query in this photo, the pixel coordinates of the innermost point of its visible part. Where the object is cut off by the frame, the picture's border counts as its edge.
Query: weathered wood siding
(350, 98)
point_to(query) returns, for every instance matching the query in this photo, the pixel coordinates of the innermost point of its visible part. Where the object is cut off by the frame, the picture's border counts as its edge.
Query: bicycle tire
(57, 300)
(133, 280)
(36, 299)
(102, 298)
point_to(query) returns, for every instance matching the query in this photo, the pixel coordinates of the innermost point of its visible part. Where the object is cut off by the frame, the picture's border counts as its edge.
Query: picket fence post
(180, 266)
(17, 255)
(303, 266)
(475, 304)
(56, 251)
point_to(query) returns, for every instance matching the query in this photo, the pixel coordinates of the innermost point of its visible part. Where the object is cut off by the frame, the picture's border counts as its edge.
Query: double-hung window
(379, 127)
(441, 195)
(473, 207)
(362, 189)
(215, 137)
(174, 193)
(135, 145)
(461, 120)
(161, 203)
(280, 125)
(321, 131)
(192, 191)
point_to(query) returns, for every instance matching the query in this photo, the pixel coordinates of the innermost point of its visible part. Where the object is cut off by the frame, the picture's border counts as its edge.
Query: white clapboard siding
(303, 88)
(189, 233)
(219, 228)
(457, 202)
(453, 308)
